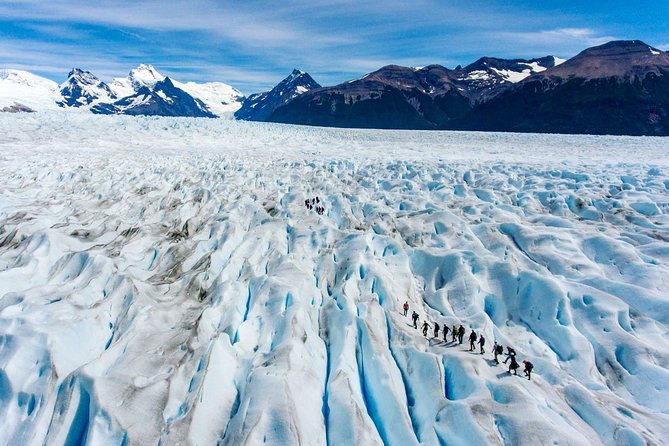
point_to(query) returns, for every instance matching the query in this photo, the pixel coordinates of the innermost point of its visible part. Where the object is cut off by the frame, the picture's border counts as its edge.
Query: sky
(253, 44)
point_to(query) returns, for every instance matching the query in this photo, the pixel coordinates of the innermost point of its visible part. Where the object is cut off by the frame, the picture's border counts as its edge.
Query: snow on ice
(162, 282)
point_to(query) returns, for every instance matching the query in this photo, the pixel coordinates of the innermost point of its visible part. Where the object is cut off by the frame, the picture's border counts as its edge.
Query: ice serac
(163, 99)
(258, 107)
(171, 287)
(83, 88)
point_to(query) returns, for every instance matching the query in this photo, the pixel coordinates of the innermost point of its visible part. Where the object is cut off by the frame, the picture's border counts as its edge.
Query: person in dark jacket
(528, 369)
(472, 340)
(425, 327)
(482, 343)
(510, 353)
(445, 333)
(514, 365)
(461, 333)
(414, 316)
(436, 330)
(498, 350)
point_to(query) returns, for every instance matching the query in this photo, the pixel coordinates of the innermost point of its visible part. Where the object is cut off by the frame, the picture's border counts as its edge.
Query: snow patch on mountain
(122, 87)
(145, 75)
(221, 99)
(22, 88)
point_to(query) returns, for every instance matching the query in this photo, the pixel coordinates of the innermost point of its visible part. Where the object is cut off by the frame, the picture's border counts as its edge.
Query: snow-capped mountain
(260, 106)
(163, 98)
(83, 88)
(221, 99)
(620, 87)
(143, 91)
(22, 91)
(488, 76)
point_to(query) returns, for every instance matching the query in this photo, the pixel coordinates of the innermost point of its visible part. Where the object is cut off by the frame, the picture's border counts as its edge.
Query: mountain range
(621, 87)
(143, 92)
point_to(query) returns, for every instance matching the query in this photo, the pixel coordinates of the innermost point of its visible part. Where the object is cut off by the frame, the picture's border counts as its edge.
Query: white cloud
(256, 44)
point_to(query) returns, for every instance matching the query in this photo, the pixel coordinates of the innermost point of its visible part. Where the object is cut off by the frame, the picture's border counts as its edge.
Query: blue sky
(253, 44)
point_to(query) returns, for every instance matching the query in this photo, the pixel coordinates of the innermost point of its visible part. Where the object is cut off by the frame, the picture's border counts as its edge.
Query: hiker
(528, 368)
(445, 333)
(425, 327)
(514, 365)
(454, 333)
(461, 333)
(482, 343)
(414, 316)
(436, 330)
(510, 353)
(497, 350)
(472, 340)
(406, 308)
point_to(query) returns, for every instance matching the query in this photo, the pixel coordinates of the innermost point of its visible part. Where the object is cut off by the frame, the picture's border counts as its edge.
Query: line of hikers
(459, 334)
(314, 203)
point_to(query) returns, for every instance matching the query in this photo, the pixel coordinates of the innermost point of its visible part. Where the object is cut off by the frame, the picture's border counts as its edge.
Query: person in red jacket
(528, 369)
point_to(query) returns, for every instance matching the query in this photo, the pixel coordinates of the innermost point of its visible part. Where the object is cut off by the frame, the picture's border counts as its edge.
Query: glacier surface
(162, 282)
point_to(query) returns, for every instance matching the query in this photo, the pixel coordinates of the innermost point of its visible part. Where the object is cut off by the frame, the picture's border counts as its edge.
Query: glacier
(161, 282)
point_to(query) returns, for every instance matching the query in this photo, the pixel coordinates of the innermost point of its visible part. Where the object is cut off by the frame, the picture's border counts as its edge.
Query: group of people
(314, 203)
(458, 333)
(498, 349)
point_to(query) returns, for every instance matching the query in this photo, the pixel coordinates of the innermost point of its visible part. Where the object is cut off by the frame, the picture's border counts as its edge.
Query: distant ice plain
(162, 280)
